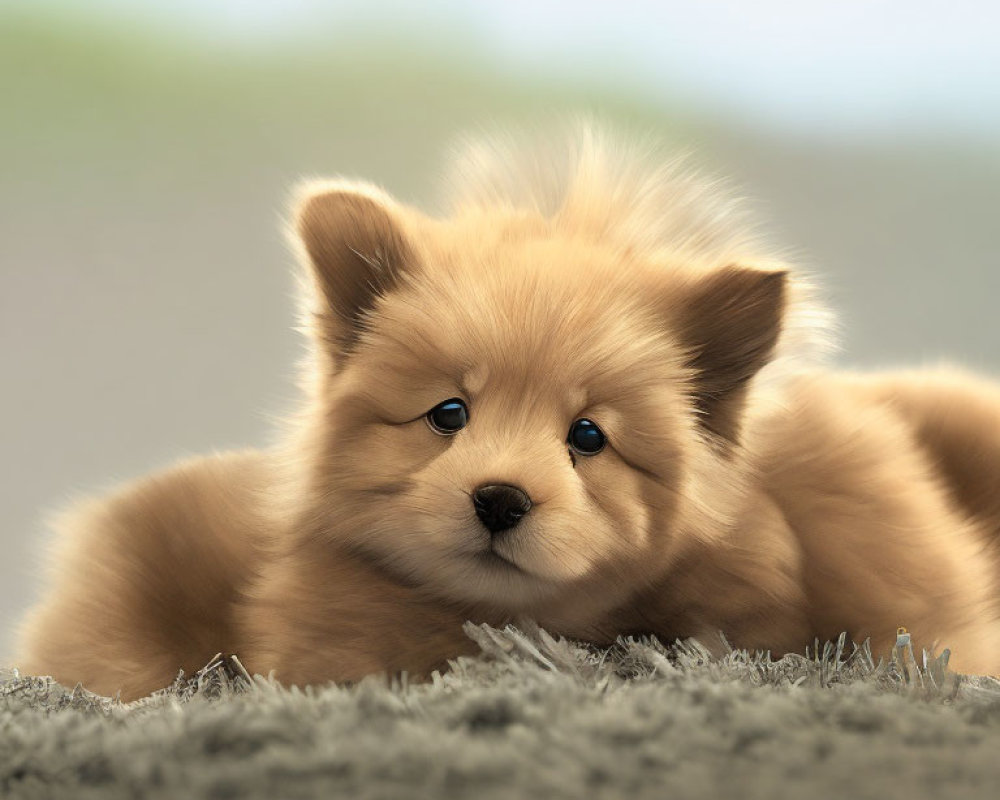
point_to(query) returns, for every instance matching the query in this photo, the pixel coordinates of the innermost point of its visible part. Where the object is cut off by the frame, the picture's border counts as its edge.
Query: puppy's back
(144, 582)
(955, 419)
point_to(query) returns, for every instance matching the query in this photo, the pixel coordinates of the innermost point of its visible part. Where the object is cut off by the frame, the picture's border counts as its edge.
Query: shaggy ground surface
(530, 717)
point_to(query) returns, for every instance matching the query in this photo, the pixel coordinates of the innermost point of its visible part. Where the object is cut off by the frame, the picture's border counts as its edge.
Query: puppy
(587, 396)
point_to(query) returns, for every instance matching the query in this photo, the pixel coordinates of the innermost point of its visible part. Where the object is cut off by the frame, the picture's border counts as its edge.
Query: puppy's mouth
(492, 558)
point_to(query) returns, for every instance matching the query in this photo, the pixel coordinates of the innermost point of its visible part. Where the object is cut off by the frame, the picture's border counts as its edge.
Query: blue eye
(448, 417)
(586, 438)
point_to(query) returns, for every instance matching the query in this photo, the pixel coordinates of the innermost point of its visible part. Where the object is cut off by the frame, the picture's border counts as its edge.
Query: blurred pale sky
(854, 66)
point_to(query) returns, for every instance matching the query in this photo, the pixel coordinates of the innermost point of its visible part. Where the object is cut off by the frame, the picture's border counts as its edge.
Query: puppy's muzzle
(500, 506)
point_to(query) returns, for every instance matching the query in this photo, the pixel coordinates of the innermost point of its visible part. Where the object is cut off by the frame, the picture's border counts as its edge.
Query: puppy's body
(855, 522)
(730, 491)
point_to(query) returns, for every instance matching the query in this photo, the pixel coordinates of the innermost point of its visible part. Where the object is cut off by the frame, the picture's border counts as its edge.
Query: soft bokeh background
(146, 150)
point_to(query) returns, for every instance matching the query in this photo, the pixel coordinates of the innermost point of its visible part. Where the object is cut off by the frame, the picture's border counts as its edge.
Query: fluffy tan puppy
(585, 396)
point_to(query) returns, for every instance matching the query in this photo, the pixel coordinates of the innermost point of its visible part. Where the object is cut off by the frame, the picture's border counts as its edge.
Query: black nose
(500, 506)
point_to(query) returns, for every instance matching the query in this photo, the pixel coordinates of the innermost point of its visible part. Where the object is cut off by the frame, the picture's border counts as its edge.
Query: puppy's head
(509, 413)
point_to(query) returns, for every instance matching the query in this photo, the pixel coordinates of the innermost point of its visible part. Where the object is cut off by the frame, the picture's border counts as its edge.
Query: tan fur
(743, 488)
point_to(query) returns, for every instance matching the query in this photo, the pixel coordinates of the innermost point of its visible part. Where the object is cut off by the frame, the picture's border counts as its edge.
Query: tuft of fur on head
(565, 282)
(598, 184)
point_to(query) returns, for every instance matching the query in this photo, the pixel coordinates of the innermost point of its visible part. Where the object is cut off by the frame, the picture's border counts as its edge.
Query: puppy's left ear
(356, 249)
(729, 322)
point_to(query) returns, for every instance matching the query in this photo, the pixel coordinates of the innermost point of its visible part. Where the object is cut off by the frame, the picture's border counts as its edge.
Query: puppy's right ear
(356, 249)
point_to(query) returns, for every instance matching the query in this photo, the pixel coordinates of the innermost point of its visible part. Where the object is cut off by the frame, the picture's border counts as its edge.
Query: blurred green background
(147, 149)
